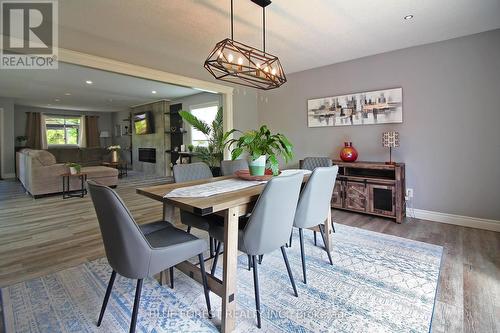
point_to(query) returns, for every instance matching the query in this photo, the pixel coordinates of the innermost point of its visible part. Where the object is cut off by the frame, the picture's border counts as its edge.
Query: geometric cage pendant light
(235, 62)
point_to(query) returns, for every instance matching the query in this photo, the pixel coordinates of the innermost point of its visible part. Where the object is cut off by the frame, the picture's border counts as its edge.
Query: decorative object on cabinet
(366, 108)
(348, 153)
(372, 188)
(391, 140)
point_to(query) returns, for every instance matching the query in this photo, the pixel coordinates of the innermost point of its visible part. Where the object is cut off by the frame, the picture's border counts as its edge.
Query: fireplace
(147, 155)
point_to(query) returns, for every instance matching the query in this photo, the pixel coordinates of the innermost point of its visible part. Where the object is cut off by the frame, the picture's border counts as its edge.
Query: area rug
(378, 283)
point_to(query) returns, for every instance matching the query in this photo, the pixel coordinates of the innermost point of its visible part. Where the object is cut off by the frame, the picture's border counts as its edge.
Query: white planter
(257, 167)
(72, 170)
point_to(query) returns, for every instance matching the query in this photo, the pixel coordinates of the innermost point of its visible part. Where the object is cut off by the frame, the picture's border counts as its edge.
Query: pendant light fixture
(239, 63)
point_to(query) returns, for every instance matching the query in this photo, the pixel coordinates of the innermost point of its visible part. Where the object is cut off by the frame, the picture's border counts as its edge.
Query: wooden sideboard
(371, 188)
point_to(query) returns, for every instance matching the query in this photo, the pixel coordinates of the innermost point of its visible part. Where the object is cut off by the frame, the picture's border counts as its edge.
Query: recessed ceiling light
(153, 92)
(88, 82)
(67, 94)
(57, 99)
(408, 17)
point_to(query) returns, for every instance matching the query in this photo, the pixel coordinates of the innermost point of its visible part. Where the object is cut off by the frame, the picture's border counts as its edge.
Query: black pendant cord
(232, 24)
(264, 28)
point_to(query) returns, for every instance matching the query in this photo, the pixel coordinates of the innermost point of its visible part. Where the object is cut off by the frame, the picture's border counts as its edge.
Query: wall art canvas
(366, 108)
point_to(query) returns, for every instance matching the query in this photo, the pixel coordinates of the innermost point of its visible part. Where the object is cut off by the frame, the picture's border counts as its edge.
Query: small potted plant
(74, 168)
(263, 149)
(114, 153)
(21, 140)
(190, 148)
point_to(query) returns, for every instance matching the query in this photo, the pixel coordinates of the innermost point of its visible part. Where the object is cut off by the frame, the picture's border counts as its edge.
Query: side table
(120, 166)
(78, 193)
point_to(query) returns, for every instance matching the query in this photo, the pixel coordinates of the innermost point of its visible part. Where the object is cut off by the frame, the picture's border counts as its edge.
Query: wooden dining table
(230, 205)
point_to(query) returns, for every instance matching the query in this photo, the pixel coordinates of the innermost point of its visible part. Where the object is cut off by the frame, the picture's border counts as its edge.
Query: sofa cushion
(44, 157)
(94, 172)
(66, 154)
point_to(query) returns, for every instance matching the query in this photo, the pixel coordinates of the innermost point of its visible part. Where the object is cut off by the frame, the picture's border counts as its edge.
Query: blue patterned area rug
(378, 283)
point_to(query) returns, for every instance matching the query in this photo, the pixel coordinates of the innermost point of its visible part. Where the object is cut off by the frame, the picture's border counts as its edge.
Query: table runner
(213, 188)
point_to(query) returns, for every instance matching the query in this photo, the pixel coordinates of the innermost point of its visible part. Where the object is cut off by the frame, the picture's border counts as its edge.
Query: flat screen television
(144, 123)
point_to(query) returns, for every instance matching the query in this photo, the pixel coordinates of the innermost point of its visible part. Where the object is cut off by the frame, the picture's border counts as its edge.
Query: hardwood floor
(41, 236)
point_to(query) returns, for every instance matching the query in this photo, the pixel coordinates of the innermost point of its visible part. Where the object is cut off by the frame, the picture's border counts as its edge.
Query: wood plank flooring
(38, 237)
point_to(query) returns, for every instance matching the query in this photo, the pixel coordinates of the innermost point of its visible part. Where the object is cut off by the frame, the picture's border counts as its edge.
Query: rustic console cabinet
(372, 188)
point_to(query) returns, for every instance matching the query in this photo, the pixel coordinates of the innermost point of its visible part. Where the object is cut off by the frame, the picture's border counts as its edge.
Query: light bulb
(230, 57)
(266, 69)
(273, 71)
(240, 61)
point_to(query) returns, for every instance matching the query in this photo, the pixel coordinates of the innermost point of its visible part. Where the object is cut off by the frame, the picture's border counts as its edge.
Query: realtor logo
(29, 34)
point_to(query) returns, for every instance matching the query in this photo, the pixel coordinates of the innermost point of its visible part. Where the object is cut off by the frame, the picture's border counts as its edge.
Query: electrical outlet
(409, 193)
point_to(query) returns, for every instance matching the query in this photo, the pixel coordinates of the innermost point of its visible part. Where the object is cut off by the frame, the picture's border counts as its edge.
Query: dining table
(231, 206)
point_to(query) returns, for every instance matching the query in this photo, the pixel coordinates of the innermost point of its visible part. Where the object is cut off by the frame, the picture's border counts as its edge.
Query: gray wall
(8, 138)
(104, 122)
(450, 137)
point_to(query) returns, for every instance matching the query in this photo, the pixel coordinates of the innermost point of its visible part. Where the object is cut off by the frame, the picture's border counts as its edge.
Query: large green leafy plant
(217, 138)
(261, 142)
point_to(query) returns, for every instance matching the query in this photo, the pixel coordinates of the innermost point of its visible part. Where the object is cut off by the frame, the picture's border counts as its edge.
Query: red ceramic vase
(348, 153)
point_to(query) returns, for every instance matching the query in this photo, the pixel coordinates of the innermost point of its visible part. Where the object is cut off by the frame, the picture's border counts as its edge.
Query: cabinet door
(382, 199)
(355, 196)
(337, 194)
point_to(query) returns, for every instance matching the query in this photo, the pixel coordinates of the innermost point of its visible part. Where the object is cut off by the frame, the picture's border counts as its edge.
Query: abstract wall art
(365, 108)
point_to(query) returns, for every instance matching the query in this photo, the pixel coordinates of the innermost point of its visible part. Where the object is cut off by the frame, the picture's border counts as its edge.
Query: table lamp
(104, 135)
(391, 140)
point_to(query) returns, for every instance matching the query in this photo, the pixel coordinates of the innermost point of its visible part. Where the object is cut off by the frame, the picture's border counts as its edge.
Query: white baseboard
(465, 221)
(9, 175)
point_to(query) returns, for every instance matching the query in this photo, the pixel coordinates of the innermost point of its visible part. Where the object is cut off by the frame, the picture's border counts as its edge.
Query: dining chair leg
(290, 242)
(315, 240)
(188, 229)
(256, 289)
(216, 258)
(302, 254)
(249, 262)
(106, 297)
(322, 231)
(205, 284)
(333, 227)
(290, 275)
(211, 243)
(172, 277)
(135, 310)
(261, 257)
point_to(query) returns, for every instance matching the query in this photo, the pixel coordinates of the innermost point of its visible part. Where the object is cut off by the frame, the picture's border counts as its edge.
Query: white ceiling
(177, 35)
(108, 92)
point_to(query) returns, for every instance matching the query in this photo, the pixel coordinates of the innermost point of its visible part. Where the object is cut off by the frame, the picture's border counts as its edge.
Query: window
(62, 130)
(207, 114)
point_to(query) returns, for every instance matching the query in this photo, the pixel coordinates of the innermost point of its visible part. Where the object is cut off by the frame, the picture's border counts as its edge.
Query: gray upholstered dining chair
(190, 172)
(139, 252)
(313, 206)
(311, 163)
(268, 227)
(229, 167)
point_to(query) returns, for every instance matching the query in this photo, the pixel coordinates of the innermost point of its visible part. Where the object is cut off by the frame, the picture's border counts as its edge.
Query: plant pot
(73, 171)
(216, 171)
(348, 153)
(257, 167)
(114, 156)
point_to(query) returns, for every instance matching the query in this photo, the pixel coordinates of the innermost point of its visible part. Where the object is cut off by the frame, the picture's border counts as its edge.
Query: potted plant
(74, 168)
(114, 153)
(190, 148)
(217, 139)
(21, 140)
(263, 149)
